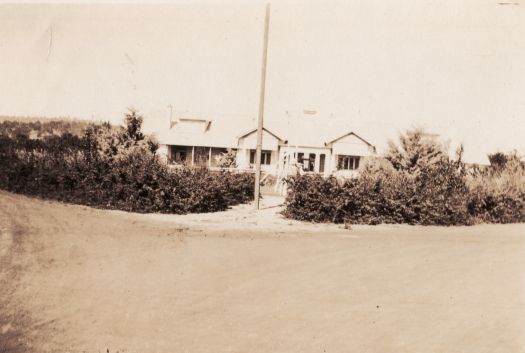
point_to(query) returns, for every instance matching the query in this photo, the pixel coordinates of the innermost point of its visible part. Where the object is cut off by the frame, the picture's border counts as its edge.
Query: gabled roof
(305, 131)
(264, 129)
(349, 134)
(225, 131)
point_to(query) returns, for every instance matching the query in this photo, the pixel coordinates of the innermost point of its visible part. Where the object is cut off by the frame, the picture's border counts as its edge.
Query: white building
(287, 147)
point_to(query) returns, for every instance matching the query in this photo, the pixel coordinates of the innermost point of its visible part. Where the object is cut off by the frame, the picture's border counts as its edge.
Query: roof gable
(264, 129)
(233, 131)
(351, 133)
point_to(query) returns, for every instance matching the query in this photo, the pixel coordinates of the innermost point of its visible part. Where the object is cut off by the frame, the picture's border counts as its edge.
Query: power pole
(261, 109)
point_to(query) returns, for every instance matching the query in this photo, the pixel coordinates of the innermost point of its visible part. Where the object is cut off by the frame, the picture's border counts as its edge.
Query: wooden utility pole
(261, 109)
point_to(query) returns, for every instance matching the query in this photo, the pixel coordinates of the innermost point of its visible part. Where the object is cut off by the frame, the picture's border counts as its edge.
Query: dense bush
(437, 195)
(416, 183)
(497, 194)
(114, 168)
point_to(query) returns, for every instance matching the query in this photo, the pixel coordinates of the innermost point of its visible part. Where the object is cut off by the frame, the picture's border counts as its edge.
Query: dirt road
(75, 279)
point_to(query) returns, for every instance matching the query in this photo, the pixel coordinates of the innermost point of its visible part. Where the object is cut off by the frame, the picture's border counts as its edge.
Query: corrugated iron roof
(224, 131)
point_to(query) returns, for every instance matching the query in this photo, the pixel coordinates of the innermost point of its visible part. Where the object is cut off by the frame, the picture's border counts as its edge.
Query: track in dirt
(79, 279)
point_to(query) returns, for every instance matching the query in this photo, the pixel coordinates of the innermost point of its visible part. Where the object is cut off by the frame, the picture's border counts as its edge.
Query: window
(178, 155)
(347, 162)
(300, 158)
(321, 163)
(266, 157)
(311, 162)
(306, 162)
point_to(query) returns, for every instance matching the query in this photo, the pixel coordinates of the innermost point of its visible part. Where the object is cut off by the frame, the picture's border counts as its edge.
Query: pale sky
(456, 68)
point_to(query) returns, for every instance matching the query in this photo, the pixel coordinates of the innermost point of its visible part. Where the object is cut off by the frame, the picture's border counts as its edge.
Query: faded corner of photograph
(226, 176)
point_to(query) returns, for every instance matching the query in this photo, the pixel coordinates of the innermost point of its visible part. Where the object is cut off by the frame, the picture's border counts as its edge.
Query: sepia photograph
(236, 176)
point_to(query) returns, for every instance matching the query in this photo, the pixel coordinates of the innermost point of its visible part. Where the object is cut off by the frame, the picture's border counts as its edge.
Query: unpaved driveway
(77, 279)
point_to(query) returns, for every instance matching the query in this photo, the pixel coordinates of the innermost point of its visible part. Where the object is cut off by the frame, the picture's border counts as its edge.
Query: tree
(505, 161)
(131, 134)
(416, 150)
(497, 160)
(133, 123)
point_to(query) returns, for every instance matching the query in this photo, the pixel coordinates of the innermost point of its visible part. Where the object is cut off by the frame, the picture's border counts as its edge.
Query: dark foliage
(416, 183)
(497, 193)
(114, 168)
(497, 208)
(437, 195)
(498, 160)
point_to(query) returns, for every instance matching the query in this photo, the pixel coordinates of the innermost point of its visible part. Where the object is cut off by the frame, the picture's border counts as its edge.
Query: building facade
(218, 144)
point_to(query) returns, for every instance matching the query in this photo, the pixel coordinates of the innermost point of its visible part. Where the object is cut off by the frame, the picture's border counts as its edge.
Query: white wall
(249, 142)
(243, 160)
(315, 150)
(269, 142)
(351, 146)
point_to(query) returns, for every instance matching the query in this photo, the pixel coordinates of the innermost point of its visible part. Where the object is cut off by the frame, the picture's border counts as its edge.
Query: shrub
(436, 195)
(415, 183)
(497, 194)
(415, 150)
(312, 198)
(114, 168)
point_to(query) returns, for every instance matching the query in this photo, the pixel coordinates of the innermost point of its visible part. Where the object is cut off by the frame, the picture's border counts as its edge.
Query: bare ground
(76, 279)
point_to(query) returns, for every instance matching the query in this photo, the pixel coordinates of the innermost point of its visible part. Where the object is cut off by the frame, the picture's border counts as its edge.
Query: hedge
(114, 169)
(439, 194)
